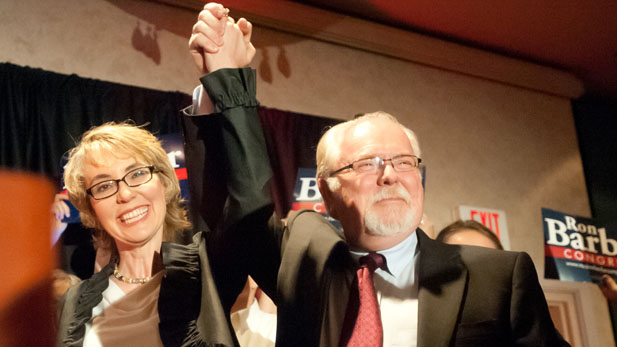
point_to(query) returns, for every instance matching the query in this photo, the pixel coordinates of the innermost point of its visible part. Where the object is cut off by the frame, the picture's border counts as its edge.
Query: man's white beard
(393, 223)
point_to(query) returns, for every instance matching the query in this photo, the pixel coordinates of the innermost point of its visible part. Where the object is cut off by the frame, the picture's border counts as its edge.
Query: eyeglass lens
(133, 178)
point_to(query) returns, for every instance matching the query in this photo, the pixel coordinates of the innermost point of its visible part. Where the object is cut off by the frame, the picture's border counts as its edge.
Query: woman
(121, 181)
(154, 293)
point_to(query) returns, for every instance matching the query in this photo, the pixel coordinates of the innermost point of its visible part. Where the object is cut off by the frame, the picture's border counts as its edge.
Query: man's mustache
(390, 193)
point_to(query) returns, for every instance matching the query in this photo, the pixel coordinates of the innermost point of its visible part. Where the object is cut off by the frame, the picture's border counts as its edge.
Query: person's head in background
(103, 154)
(469, 232)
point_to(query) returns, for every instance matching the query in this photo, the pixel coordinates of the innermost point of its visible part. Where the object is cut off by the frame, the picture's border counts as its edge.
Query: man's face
(377, 210)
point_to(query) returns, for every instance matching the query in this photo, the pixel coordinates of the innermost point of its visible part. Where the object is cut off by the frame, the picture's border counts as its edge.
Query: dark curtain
(292, 140)
(43, 114)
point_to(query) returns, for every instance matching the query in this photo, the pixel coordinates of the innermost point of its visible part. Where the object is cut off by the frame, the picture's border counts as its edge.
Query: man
(429, 294)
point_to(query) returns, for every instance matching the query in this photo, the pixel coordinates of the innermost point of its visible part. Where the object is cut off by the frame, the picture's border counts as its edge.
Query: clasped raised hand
(217, 41)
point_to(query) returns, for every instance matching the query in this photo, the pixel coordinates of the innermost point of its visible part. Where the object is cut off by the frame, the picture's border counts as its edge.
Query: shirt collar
(398, 256)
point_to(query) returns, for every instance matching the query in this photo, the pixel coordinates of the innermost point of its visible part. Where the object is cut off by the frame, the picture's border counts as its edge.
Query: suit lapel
(442, 279)
(315, 260)
(337, 285)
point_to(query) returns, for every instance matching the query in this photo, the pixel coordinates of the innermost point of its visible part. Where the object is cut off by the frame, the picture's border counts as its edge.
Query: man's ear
(328, 197)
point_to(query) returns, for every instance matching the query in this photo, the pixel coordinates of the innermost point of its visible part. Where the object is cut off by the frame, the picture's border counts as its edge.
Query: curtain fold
(292, 141)
(43, 114)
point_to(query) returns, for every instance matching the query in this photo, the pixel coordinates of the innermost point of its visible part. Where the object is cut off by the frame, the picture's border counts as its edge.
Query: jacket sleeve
(531, 323)
(229, 170)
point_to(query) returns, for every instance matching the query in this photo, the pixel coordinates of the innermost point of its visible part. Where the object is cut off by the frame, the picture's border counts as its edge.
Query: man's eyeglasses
(133, 178)
(400, 163)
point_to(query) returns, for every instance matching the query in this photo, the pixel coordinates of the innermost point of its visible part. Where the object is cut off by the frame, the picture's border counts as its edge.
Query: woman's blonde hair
(122, 140)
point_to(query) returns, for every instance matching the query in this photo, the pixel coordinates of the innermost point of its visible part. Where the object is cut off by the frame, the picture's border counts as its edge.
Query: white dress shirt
(397, 292)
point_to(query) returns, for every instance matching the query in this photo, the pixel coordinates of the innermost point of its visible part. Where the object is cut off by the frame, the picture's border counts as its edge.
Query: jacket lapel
(442, 280)
(337, 285)
(313, 281)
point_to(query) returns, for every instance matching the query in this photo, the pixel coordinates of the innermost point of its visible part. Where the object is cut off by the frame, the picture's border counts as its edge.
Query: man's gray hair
(329, 146)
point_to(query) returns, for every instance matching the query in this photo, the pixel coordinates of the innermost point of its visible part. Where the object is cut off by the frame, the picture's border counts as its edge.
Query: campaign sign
(173, 144)
(576, 248)
(307, 196)
(73, 212)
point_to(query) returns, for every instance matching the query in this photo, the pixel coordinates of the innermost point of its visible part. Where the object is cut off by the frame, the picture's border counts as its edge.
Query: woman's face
(134, 216)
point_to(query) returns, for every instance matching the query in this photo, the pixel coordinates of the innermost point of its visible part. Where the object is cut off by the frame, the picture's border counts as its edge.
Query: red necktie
(362, 325)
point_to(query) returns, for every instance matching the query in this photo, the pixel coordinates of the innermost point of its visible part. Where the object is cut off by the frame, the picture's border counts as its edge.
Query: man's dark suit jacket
(468, 296)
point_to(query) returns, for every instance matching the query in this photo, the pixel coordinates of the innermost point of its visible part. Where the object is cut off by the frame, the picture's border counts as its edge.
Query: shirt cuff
(230, 88)
(191, 110)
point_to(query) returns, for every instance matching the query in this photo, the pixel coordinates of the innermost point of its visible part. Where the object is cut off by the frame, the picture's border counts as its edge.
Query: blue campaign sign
(307, 196)
(577, 248)
(173, 144)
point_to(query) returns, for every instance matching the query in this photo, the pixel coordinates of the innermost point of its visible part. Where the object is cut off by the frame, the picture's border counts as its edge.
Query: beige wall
(484, 143)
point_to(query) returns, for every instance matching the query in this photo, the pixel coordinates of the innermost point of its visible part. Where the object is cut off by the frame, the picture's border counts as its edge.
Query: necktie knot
(373, 261)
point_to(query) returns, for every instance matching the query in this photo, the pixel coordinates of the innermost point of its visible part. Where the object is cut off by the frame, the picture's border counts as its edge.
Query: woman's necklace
(129, 279)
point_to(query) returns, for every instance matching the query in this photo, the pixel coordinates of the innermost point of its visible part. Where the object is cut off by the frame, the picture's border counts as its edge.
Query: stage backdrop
(43, 114)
